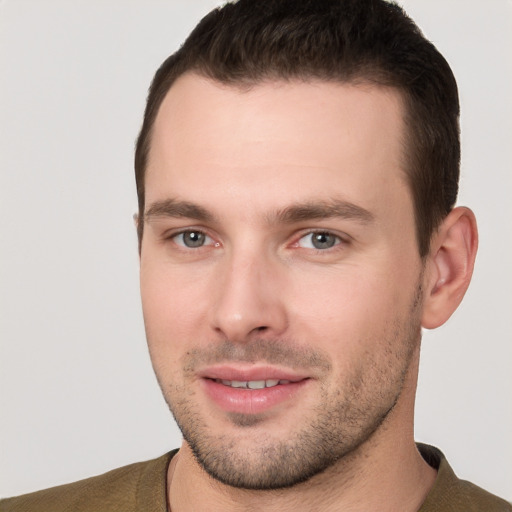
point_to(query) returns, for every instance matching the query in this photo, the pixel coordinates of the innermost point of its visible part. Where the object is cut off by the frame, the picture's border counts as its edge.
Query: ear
(136, 221)
(450, 266)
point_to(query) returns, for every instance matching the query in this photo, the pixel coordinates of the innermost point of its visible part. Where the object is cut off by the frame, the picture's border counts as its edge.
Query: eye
(192, 239)
(319, 240)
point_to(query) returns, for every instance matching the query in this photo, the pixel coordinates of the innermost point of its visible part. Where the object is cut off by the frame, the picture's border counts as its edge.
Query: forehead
(299, 137)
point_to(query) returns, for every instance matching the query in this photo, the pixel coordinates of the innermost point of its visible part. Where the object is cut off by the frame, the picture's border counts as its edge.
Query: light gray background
(78, 396)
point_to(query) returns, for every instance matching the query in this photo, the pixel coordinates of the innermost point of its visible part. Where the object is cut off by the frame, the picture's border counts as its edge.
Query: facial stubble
(342, 421)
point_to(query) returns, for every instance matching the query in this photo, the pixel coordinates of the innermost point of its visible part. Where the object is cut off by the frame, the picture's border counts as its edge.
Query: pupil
(193, 239)
(323, 240)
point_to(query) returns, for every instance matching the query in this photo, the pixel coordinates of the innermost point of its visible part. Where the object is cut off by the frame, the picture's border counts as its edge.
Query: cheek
(172, 304)
(348, 312)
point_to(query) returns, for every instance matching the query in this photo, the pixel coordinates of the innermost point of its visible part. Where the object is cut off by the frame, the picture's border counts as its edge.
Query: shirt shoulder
(481, 500)
(450, 494)
(122, 489)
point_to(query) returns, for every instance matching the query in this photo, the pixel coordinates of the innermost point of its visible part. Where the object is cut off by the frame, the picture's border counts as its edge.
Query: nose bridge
(248, 298)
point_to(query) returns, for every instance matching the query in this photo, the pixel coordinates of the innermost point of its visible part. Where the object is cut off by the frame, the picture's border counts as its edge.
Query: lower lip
(251, 401)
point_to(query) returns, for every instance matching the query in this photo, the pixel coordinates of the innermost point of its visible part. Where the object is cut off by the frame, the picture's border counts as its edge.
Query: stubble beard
(335, 429)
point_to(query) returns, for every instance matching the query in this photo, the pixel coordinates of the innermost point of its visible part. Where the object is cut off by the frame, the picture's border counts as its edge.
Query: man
(297, 172)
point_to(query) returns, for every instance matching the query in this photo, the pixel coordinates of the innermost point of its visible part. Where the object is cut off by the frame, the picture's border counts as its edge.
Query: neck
(386, 473)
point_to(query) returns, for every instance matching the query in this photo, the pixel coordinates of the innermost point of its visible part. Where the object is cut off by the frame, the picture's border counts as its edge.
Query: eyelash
(339, 240)
(200, 232)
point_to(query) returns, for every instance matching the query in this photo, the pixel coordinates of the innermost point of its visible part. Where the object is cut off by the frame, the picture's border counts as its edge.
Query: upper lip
(245, 373)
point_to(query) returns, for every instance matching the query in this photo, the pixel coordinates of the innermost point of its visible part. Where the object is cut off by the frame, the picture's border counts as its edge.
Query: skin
(255, 295)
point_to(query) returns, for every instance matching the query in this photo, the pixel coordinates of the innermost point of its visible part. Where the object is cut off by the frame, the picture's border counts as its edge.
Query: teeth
(256, 384)
(252, 384)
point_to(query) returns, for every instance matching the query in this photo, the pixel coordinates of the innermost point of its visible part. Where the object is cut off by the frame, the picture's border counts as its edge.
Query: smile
(252, 384)
(254, 395)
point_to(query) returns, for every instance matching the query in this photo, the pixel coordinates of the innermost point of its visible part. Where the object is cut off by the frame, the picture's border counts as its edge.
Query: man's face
(280, 275)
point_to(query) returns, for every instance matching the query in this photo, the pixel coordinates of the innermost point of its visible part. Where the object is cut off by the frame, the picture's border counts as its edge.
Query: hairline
(246, 84)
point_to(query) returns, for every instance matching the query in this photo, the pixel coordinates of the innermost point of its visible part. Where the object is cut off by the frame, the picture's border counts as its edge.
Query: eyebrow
(291, 214)
(322, 210)
(177, 209)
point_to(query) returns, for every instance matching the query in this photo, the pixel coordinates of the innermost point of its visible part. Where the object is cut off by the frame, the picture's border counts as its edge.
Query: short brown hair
(250, 41)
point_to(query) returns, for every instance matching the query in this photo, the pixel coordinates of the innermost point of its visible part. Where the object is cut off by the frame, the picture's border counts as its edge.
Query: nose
(249, 300)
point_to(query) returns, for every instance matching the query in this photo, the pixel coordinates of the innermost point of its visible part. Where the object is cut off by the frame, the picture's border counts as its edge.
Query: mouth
(252, 391)
(253, 384)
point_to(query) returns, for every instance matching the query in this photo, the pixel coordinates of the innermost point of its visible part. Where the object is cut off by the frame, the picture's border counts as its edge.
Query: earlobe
(450, 266)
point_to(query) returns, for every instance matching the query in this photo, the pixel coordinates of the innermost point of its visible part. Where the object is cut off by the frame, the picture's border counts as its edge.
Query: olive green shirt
(141, 487)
